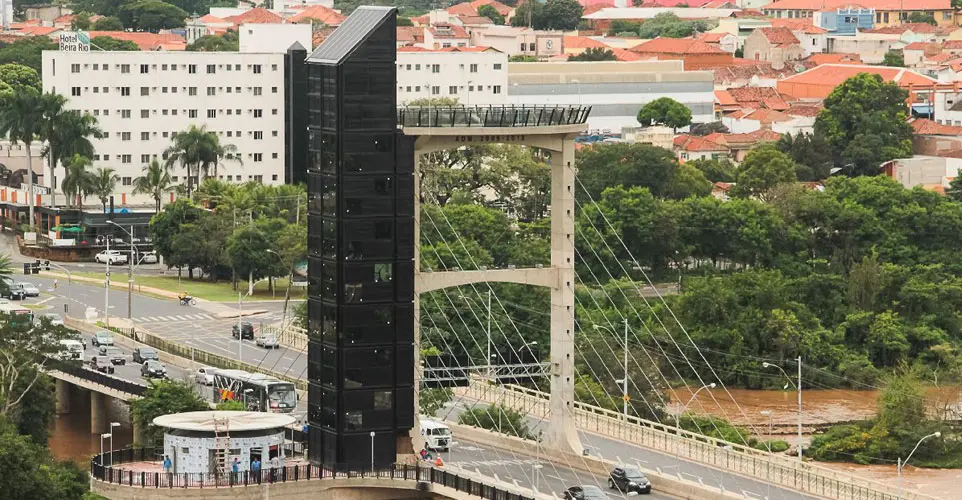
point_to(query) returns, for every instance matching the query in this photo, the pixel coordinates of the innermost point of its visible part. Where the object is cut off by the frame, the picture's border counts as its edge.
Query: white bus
(257, 391)
(16, 311)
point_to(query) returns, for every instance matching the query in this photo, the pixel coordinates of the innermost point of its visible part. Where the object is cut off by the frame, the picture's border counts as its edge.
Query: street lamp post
(768, 413)
(112, 425)
(624, 381)
(901, 463)
(683, 408)
(372, 451)
(130, 266)
(798, 388)
(102, 437)
(107, 287)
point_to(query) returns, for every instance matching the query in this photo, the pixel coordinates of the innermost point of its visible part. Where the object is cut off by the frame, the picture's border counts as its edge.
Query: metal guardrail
(290, 336)
(197, 355)
(114, 474)
(491, 116)
(739, 459)
(98, 378)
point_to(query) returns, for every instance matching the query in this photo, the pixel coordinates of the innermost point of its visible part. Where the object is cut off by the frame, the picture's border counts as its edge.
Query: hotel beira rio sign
(74, 41)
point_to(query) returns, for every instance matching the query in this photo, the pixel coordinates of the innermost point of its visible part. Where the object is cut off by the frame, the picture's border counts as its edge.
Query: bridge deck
(491, 116)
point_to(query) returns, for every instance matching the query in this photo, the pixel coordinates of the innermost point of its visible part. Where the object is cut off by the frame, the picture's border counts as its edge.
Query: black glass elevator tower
(361, 248)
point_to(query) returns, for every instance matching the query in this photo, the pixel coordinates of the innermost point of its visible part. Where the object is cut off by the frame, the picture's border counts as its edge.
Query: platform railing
(491, 116)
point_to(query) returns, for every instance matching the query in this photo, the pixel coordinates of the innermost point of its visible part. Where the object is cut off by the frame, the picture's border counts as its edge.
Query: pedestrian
(275, 465)
(167, 464)
(256, 469)
(424, 453)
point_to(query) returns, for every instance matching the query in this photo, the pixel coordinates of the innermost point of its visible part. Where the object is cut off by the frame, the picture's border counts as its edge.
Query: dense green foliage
(665, 111)
(551, 15)
(640, 165)
(227, 42)
(498, 418)
(894, 58)
(108, 43)
(151, 15)
(667, 25)
(27, 51)
(115, 7)
(594, 54)
(163, 397)
(491, 13)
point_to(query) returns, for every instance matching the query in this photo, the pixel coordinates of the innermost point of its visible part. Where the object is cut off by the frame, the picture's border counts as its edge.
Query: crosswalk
(170, 318)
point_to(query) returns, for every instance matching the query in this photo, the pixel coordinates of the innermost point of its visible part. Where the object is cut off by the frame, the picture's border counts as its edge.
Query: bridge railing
(105, 380)
(290, 336)
(733, 457)
(492, 116)
(115, 473)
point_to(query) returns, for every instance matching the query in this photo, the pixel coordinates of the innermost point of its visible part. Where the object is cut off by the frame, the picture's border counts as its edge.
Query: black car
(153, 369)
(628, 479)
(246, 331)
(101, 364)
(586, 492)
(142, 354)
(14, 293)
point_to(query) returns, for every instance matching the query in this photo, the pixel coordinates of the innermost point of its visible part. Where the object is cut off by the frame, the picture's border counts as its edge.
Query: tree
(155, 182)
(248, 255)
(25, 351)
(553, 15)
(894, 58)
(498, 418)
(764, 168)
(66, 132)
(199, 150)
(811, 153)
(491, 13)
(104, 182)
(715, 170)
(231, 405)
(80, 21)
(78, 181)
(864, 122)
(19, 76)
(33, 473)
(669, 25)
(702, 129)
(166, 225)
(202, 244)
(27, 51)
(520, 58)
(406, 21)
(164, 397)
(955, 189)
(151, 15)
(923, 18)
(108, 23)
(594, 54)
(20, 121)
(228, 42)
(665, 111)
(629, 165)
(110, 43)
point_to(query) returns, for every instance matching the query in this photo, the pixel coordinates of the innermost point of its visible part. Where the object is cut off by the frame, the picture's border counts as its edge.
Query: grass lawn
(203, 289)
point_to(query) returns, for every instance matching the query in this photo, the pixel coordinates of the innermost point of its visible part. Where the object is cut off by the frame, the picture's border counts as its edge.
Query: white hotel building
(142, 98)
(474, 76)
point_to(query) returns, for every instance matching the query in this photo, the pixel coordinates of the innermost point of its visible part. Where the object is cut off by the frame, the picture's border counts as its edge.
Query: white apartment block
(142, 98)
(475, 76)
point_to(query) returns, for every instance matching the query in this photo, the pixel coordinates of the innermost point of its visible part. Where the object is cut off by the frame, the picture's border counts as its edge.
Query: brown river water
(71, 438)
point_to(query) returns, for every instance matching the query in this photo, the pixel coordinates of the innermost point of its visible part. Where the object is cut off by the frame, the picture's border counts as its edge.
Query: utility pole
(130, 275)
(490, 368)
(107, 285)
(624, 383)
(240, 331)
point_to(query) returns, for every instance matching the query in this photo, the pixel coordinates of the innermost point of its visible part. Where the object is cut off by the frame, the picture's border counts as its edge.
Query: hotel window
(144, 158)
(145, 136)
(126, 181)
(258, 157)
(163, 67)
(75, 68)
(144, 91)
(144, 69)
(192, 68)
(125, 91)
(273, 133)
(453, 89)
(496, 89)
(125, 136)
(258, 113)
(273, 90)
(274, 156)
(125, 113)
(211, 113)
(435, 68)
(75, 91)
(192, 113)
(273, 67)
(144, 113)
(435, 90)
(211, 68)
(125, 159)
(191, 90)
(257, 91)
(497, 67)
(211, 91)
(125, 68)
(257, 69)
(473, 68)
(258, 135)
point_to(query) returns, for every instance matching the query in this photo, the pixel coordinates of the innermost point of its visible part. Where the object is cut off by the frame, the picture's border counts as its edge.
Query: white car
(29, 289)
(149, 258)
(267, 342)
(205, 375)
(111, 256)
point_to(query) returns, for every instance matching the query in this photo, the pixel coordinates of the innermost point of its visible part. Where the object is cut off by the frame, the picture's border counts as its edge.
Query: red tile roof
(625, 55)
(676, 46)
(755, 95)
(462, 9)
(712, 37)
(410, 34)
(695, 143)
(952, 45)
(768, 116)
(446, 49)
(779, 36)
(502, 9)
(440, 30)
(319, 35)
(211, 19)
(819, 5)
(924, 126)
(836, 58)
(725, 98)
(809, 111)
(474, 20)
(803, 25)
(256, 16)
(915, 28)
(321, 13)
(835, 74)
(38, 30)
(582, 42)
(146, 41)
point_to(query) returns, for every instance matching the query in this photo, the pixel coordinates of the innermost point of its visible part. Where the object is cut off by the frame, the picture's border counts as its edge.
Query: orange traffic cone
(439, 462)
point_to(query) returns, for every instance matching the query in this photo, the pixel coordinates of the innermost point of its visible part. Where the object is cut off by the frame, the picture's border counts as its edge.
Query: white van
(436, 435)
(71, 349)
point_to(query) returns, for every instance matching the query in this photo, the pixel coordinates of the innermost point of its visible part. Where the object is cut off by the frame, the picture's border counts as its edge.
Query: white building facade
(474, 76)
(142, 98)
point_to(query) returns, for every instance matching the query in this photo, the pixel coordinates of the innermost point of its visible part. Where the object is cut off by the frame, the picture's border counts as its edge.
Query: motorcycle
(188, 301)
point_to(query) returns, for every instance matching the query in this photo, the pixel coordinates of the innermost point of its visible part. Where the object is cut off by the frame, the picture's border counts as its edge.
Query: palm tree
(20, 120)
(67, 132)
(77, 183)
(104, 181)
(214, 153)
(189, 148)
(155, 181)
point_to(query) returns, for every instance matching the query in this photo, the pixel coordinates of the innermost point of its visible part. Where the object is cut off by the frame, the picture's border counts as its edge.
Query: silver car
(205, 375)
(267, 342)
(29, 289)
(55, 319)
